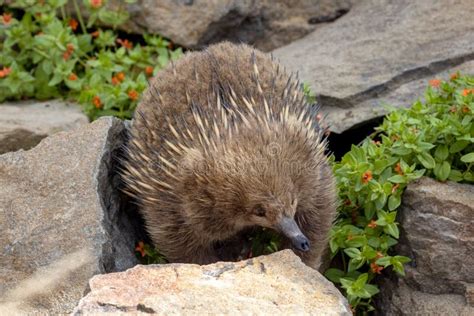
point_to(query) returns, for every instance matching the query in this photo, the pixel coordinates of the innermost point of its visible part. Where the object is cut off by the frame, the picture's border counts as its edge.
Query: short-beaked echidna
(224, 140)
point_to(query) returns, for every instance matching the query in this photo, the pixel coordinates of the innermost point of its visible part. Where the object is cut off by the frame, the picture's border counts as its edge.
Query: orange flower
(95, 34)
(372, 224)
(115, 80)
(5, 72)
(125, 43)
(66, 55)
(376, 268)
(140, 248)
(69, 48)
(95, 3)
(454, 76)
(6, 18)
(395, 187)
(121, 76)
(366, 177)
(72, 77)
(97, 102)
(435, 83)
(149, 70)
(465, 92)
(398, 169)
(73, 24)
(465, 109)
(132, 94)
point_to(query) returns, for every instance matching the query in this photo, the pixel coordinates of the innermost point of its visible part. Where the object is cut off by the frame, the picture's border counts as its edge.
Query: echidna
(224, 140)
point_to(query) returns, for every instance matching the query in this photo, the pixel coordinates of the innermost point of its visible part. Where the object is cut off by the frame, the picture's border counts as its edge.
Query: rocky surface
(377, 48)
(24, 124)
(60, 220)
(437, 234)
(279, 283)
(267, 24)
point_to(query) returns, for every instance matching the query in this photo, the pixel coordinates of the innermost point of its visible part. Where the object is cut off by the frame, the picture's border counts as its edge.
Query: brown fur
(206, 157)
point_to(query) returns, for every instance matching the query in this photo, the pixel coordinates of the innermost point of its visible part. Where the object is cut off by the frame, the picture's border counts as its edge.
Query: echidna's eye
(259, 210)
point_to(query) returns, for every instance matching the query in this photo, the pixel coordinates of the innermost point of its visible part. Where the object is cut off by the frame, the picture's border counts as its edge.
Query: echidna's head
(260, 178)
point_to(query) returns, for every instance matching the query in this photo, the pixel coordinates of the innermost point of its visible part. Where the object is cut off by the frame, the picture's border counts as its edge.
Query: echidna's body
(223, 141)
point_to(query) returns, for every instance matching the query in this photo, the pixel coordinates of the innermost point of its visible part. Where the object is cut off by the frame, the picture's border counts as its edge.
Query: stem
(344, 261)
(41, 53)
(79, 17)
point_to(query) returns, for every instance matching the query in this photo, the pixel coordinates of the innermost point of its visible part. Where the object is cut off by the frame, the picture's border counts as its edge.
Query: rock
(342, 119)
(376, 48)
(24, 124)
(267, 24)
(279, 283)
(437, 226)
(60, 219)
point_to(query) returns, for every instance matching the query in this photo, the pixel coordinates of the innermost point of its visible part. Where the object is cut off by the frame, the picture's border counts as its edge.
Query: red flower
(95, 3)
(73, 24)
(465, 109)
(454, 76)
(149, 70)
(140, 248)
(372, 224)
(121, 76)
(95, 34)
(366, 177)
(6, 18)
(70, 47)
(72, 77)
(398, 169)
(465, 92)
(125, 43)
(66, 55)
(133, 95)
(435, 83)
(376, 268)
(5, 72)
(97, 102)
(115, 80)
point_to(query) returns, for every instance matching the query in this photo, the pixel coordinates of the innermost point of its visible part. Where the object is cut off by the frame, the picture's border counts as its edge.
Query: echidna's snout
(290, 229)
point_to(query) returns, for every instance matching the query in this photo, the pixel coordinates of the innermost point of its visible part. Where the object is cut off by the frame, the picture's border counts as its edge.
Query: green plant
(434, 138)
(43, 56)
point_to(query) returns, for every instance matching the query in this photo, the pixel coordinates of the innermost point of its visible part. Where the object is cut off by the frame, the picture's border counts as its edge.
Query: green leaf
(442, 152)
(334, 275)
(458, 146)
(394, 202)
(397, 179)
(426, 160)
(468, 158)
(442, 171)
(392, 230)
(352, 252)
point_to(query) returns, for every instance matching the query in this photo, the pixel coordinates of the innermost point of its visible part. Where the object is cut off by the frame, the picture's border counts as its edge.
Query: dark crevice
(339, 144)
(328, 18)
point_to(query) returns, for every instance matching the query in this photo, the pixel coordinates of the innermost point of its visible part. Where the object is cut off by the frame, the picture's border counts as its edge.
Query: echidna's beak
(290, 229)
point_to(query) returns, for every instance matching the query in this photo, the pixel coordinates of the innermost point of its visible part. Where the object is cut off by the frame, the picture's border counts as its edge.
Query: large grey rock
(404, 95)
(437, 221)
(377, 47)
(24, 124)
(59, 219)
(266, 23)
(276, 284)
